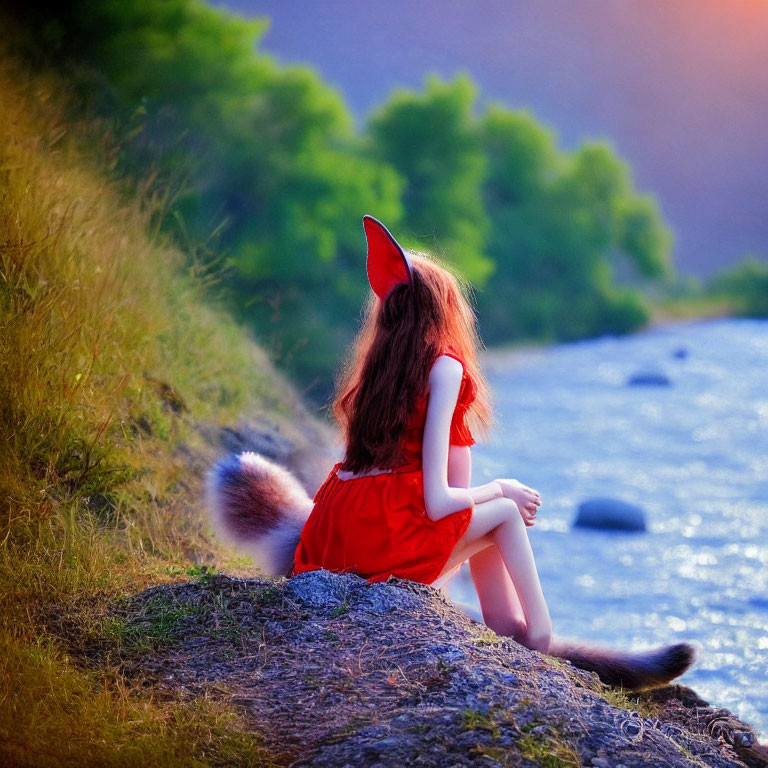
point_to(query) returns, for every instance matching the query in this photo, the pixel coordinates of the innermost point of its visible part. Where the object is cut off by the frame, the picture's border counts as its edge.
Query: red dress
(377, 525)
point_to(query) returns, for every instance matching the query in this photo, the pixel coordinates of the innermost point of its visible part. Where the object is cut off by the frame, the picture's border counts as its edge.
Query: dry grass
(693, 307)
(108, 362)
(63, 715)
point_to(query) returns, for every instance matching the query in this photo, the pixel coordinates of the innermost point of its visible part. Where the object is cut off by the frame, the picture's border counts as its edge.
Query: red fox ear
(387, 263)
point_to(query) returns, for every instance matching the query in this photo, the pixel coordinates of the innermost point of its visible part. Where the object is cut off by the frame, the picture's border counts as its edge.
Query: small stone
(448, 652)
(743, 739)
(401, 719)
(649, 378)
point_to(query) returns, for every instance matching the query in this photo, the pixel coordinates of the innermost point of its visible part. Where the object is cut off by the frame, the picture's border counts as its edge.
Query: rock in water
(649, 378)
(610, 515)
(759, 602)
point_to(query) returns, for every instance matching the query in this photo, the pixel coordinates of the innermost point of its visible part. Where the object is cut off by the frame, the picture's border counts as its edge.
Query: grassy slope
(109, 361)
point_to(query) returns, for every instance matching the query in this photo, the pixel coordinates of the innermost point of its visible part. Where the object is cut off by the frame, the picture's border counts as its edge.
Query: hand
(527, 499)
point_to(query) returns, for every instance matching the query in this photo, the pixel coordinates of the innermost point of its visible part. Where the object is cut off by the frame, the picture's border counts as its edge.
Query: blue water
(694, 455)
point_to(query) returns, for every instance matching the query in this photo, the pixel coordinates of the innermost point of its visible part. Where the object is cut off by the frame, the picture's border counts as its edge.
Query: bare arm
(441, 499)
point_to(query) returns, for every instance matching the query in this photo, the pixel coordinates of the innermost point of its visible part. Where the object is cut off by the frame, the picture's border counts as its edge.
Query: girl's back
(375, 524)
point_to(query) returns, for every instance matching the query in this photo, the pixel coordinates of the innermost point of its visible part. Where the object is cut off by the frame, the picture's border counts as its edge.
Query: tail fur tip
(227, 472)
(681, 656)
(224, 470)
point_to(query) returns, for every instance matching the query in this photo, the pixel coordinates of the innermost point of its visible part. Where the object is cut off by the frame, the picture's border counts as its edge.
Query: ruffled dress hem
(376, 526)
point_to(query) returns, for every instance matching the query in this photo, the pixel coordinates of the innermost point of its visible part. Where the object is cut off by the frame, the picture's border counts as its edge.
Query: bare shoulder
(445, 370)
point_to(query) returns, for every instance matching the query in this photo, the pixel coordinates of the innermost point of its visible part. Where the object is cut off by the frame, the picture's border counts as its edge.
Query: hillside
(118, 387)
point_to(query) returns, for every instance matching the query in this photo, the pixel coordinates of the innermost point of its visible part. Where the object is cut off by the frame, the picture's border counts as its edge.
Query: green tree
(431, 140)
(745, 286)
(565, 228)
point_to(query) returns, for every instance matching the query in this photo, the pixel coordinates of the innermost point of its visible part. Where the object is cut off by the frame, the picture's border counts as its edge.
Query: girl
(401, 503)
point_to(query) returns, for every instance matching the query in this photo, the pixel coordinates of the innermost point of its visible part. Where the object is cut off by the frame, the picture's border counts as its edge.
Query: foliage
(266, 156)
(564, 227)
(432, 141)
(549, 753)
(265, 153)
(744, 287)
(61, 715)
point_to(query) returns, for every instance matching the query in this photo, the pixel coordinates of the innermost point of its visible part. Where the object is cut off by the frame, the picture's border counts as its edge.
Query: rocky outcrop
(333, 671)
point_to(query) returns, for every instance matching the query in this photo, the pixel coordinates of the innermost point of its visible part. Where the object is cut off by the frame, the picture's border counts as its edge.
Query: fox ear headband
(387, 264)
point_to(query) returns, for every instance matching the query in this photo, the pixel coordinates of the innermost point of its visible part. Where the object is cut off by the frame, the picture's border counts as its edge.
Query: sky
(680, 87)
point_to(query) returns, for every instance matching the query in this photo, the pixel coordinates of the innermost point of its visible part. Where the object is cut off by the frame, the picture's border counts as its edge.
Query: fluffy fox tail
(258, 507)
(636, 671)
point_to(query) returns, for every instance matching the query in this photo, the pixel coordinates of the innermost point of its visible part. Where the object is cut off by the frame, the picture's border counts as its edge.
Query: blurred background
(602, 162)
(597, 169)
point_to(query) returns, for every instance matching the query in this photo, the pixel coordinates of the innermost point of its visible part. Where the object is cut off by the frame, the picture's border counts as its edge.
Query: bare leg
(499, 602)
(444, 580)
(508, 589)
(499, 522)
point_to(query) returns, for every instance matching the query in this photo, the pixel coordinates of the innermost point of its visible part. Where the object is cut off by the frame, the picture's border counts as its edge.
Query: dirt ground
(332, 671)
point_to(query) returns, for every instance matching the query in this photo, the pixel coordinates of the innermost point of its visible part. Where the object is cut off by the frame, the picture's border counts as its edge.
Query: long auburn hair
(390, 361)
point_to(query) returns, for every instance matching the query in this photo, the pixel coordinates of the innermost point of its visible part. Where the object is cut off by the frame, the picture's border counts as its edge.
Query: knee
(510, 509)
(511, 514)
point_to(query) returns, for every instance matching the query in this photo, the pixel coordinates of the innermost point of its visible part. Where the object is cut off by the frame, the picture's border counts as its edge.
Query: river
(693, 455)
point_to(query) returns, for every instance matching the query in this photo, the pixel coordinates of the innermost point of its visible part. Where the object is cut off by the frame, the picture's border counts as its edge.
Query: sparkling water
(693, 455)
